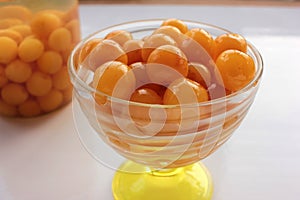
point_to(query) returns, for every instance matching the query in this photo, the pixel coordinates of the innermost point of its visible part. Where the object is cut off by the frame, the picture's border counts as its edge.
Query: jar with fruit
(36, 39)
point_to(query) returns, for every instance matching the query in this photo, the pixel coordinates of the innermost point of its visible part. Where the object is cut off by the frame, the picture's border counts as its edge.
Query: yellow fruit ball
(74, 27)
(18, 71)
(7, 110)
(29, 108)
(119, 36)
(14, 94)
(236, 68)
(50, 62)
(51, 101)
(154, 41)
(105, 51)
(43, 24)
(165, 64)
(39, 84)
(60, 39)
(176, 23)
(3, 78)
(30, 49)
(8, 50)
(61, 79)
(23, 29)
(114, 78)
(17, 37)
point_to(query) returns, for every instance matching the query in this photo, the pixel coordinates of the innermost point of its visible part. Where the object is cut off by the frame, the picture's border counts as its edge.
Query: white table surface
(43, 159)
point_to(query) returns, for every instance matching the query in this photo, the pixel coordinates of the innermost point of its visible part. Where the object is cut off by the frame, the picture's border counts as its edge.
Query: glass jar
(36, 38)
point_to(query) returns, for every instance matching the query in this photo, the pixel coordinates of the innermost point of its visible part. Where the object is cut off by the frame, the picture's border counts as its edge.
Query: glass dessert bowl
(163, 144)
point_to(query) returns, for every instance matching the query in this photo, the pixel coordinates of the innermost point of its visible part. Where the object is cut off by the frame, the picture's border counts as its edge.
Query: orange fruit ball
(229, 41)
(176, 23)
(60, 39)
(58, 13)
(74, 27)
(107, 50)
(133, 49)
(29, 108)
(72, 13)
(236, 68)
(44, 24)
(17, 37)
(154, 41)
(141, 114)
(140, 73)
(66, 54)
(171, 31)
(181, 92)
(119, 36)
(39, 84)
(165, 64)
(9, 22)
(23, 29)
(18, 71)
(159, 89)
(30, 49)
(204, 39)
(15, 11)
(114, 79)
(61, 80)
(7, 110)
(51, 101)
(14, 94)
(67, 94)
(87, 48)
(146, 95)
(8, 49)
(3, 78)
(50, 62)
(200, 74)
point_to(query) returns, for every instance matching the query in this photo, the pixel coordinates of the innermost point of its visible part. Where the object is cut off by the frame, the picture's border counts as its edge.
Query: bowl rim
(77, 80)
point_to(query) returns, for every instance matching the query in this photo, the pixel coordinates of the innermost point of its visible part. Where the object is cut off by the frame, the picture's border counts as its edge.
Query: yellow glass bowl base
(192, 182)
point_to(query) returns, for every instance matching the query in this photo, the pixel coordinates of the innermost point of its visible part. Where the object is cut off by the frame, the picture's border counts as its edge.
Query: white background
(43, 159)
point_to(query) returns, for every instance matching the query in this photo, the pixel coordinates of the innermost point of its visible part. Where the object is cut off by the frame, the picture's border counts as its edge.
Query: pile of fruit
(162, 67)
(34, 50)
